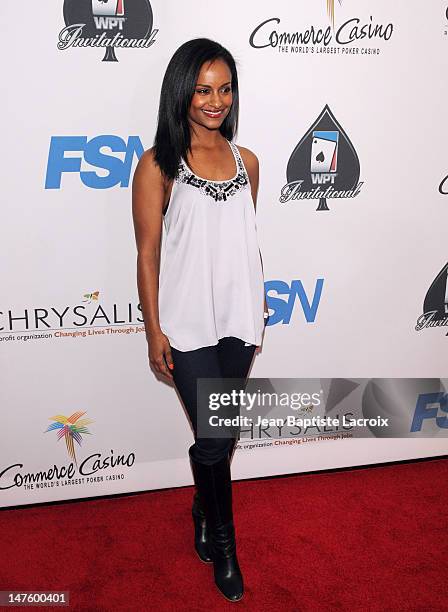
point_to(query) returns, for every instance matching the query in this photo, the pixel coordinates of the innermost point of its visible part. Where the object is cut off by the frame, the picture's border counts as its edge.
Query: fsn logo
(108, 14)
(430, 407)
(112, 168)
(283, 306)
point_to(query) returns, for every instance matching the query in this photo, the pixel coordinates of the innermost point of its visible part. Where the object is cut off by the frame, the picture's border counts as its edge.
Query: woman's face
(212, 96)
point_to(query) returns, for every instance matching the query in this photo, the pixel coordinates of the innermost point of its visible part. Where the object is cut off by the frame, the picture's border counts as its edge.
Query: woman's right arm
(148, 197)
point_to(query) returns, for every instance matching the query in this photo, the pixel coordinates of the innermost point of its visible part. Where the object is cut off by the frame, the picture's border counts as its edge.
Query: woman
(203, 297)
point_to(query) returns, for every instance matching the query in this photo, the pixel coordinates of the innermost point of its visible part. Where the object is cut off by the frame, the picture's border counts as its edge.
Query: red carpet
(372, 539)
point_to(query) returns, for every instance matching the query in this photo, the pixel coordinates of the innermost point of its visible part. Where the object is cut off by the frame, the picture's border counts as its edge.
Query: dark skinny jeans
(230, 358)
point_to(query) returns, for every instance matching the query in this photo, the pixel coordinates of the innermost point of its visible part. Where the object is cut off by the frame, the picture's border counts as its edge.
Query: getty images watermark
(295, 401)
(291, 407)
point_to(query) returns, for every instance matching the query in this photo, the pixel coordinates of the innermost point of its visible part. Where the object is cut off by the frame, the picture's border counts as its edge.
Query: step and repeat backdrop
(344, 103)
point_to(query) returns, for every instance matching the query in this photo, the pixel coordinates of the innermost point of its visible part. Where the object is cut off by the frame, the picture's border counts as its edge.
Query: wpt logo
(118, 170)
(435, 305)
(283, 307)
(108, 25)
(323, 165)
(108, 14)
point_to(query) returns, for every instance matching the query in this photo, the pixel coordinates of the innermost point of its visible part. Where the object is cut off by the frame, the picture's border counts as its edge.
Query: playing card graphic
(324, 150)
(108, 7)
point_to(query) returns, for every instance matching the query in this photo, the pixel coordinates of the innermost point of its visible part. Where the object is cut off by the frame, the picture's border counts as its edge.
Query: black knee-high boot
(215, 489)
(201, 543)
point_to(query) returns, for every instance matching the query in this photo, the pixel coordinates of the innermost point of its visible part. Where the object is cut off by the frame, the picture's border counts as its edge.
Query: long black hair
(172, 139)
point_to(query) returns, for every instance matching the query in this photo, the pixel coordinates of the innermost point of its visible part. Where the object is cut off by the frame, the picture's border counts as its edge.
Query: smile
(213, 114)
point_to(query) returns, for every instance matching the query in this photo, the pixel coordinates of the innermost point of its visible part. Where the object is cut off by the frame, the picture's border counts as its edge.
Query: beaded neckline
(218, 190)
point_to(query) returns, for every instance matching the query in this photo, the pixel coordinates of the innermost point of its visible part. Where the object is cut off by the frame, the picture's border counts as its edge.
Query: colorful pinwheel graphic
(330, 10)
(71, 429)
(91, 296)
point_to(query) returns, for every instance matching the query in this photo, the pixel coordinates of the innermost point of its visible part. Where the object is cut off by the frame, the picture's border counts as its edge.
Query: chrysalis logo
(70, 429)
(435, 305)
(89, 297)
(323, 165)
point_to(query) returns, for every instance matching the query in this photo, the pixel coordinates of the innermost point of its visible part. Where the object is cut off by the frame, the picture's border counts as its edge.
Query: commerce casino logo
(347, 35)
(435, 305)
(324, 165)
(330, 10)
(108, 25)
(92, 469)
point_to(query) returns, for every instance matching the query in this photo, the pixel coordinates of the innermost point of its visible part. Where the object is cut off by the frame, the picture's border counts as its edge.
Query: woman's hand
(266, 312)
(159, 352)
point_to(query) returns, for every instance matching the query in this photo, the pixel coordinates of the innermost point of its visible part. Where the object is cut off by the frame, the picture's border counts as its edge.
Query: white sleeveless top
(211, 280)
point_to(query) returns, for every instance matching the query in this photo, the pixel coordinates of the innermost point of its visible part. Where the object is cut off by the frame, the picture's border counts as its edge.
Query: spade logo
(435, 305)
(323, 165)
(107, 24)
